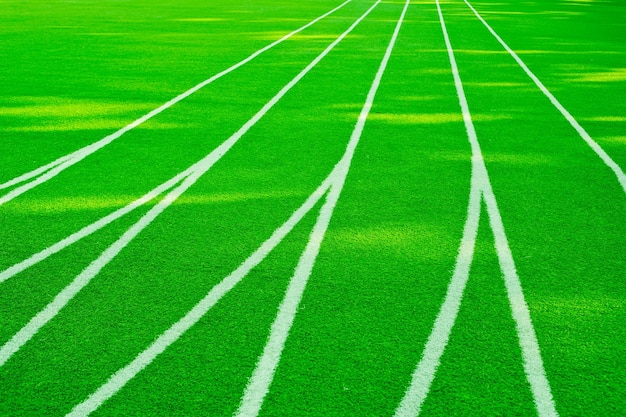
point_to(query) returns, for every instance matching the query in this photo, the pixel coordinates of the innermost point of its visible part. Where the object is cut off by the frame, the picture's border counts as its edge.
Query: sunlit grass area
(228, 225)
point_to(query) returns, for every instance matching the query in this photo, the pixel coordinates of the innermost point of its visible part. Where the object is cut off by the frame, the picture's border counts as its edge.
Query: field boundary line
(481, 189)
(608, 161)
(54, 168)
(69, 292)
(263, 375)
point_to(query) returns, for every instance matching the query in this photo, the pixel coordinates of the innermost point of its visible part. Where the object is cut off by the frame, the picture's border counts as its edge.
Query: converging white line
(51, 170)
(35, 172)
(531, 354)
(608, 161)
(201, 167)
(118, 380)
(263, 375)
(422, 378)
(94, 227)
(424, 373)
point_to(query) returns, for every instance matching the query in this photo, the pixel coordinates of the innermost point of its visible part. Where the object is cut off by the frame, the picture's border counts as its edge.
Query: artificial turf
(74, 72)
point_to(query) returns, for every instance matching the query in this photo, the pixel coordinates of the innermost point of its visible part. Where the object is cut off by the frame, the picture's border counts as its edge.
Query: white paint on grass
(261, 379)
(481, 190)
(531, 354)
(117, 381)
(424, 373)
(334, 181)
(51, 170)
(34, 172)
(263, 375)
(94, 227)
(617, 170)
(200, 168)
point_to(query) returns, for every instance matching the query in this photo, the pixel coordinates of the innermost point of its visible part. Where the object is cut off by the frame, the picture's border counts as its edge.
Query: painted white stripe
(53, 169)
(261, 379)
(68, 293)
(35, 172)
(118, 380)
(94, 227)
(533, 364)
(424, 373)
(617, 170)
(205, 164)
(423, 376)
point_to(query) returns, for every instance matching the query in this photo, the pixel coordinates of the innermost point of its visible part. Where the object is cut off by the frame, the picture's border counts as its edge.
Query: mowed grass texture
(75, 72)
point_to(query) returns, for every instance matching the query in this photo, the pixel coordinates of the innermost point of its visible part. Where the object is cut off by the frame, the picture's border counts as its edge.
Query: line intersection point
(480, 191)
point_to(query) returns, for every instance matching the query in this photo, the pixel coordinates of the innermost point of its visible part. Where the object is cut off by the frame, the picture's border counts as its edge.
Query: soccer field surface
(313, 208)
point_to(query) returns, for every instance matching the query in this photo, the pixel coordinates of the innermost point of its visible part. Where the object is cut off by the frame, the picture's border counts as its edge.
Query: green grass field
(384, 209)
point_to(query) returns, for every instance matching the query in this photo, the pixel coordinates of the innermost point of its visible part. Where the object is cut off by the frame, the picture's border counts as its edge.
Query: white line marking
(92, 228)
(118, 380)
(617, 170)
(35, 172)
(261, 379)
(201, 167)
(533, 364)
(224, 147)
(65, 296)
(51, 170)
(424, 373)
(122, 376)
(423, 376)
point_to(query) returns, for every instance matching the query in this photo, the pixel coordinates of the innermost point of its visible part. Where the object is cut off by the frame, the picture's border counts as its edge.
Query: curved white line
(53, 169)
(531, 354)
(424, 373)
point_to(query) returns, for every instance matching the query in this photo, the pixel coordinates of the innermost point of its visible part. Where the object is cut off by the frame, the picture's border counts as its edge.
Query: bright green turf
(74, 72)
